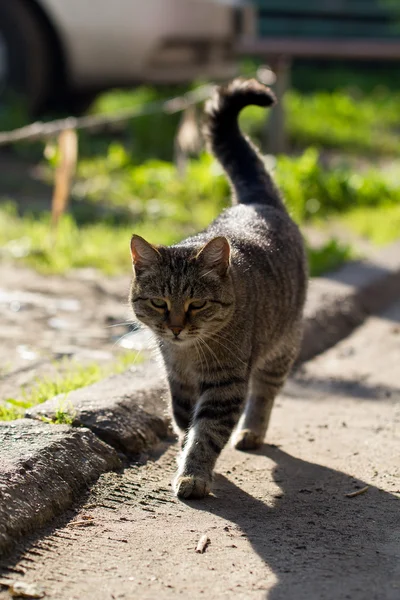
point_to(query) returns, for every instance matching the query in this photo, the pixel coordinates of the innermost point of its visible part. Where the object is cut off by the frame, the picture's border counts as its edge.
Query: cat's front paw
(191, 486)
(247, 440)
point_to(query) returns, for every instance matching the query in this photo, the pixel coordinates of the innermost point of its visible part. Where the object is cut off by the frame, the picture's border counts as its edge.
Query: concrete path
(281, 523)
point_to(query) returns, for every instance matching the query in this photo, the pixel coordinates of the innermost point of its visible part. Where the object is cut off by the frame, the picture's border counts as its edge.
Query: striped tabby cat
(226, 304)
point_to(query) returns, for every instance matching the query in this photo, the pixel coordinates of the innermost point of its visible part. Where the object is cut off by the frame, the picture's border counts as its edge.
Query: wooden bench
(319, 29)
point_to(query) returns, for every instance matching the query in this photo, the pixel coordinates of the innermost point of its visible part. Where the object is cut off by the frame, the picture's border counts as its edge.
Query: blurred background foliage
(342, 169)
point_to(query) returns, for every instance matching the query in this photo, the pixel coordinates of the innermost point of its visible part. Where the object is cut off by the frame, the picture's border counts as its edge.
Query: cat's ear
(216, 254)
(144, 255)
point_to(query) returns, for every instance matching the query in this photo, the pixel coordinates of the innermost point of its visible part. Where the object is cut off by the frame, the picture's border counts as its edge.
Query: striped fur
(226, 304)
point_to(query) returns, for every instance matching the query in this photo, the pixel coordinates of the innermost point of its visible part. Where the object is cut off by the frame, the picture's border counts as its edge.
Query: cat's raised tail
(251, 182)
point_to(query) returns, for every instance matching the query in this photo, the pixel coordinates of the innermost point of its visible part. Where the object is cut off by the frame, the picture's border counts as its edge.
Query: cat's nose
(176, 329)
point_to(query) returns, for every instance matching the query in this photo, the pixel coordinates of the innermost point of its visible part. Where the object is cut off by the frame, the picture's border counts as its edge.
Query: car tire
(24, 56)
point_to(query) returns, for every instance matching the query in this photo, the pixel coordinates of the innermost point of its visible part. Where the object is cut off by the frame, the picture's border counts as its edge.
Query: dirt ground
(280, 522)
(47, 321)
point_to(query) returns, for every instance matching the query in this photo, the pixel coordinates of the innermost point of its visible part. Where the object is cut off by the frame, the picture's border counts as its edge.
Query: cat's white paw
(191, 486)
(246, 439)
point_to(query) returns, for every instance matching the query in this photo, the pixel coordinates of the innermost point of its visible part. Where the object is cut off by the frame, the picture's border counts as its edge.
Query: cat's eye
(197, 304)
(158, 303)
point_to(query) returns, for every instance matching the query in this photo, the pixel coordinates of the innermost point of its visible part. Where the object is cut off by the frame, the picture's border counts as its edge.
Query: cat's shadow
(319, 543)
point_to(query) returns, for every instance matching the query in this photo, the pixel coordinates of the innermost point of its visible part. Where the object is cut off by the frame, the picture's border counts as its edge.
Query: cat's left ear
(216, 254)
(144, 255)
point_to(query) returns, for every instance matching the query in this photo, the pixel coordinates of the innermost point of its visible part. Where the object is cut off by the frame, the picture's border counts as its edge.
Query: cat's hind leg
(267, 378)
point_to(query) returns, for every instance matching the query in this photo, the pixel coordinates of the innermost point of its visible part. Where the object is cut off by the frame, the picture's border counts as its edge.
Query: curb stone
(43, 468)
(127, 411)
(342, 300)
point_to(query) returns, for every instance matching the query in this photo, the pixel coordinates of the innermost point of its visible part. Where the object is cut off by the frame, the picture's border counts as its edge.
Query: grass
(119, 190)
(380, 225)
(154, 192)
(358, 114)
(164, 208)
(345, 120)
(64, 415)
(349, 122)
(73, 377)
(153, 189)
(99, 245)
(328, 257)
(106, 247)
(313, 190)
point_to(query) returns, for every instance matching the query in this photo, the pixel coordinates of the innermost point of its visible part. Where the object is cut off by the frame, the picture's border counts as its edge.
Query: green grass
(64, 415)
(380, 225)
(118, 192)
(348, 122)
(328, 257)
(314, 191)
(74, 376)
(107, 247)
(343, 120)
(153, 189)
(348, 119)
(164, 208)
(99, 245)
(154, 192)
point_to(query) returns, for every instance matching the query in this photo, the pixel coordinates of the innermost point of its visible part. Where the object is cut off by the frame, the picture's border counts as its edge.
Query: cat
(225, 305)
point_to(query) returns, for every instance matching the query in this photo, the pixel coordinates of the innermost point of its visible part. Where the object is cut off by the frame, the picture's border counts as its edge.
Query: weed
(64, 414)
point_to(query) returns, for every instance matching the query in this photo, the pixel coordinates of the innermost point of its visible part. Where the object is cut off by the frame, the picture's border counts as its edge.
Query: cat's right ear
(216, 255)
(144, 255)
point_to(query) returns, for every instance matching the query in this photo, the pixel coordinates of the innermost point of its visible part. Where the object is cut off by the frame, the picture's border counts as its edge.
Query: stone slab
(43, 468)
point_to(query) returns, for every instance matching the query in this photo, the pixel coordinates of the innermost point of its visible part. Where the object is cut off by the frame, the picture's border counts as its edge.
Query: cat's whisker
(151, 341)
(212, 351)
(200, 359)
(217, 341)
(121, 338)
(205, 274)
(204, 356)
(124, 323)
(138, 352)
(215, 335)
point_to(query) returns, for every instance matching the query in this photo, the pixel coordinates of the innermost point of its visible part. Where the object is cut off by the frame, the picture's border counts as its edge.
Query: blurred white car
(54, 51)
